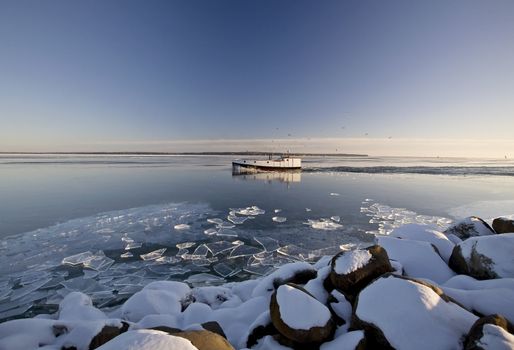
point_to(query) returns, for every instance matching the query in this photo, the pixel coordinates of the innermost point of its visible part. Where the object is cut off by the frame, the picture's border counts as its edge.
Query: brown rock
(470, 227)
(352, 283)
(313, 336)
(503, 225)
(107, 333)
(260, 332)
(213, 326)
(472, 341)
(205, 340)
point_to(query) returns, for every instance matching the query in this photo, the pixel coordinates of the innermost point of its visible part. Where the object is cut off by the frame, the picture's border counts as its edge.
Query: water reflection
(268, 176)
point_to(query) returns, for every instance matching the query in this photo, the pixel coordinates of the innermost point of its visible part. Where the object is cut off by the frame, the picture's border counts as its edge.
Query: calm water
(53, 207)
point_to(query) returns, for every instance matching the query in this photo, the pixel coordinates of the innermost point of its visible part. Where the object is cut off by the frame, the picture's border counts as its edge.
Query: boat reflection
(268, 176)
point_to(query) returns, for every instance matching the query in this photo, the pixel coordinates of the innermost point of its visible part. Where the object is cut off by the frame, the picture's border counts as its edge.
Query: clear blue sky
(78, 73)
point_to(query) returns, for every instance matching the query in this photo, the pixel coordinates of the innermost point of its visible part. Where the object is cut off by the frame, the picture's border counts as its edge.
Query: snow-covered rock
(485, 257)
(407, 314)
(470, 227)
(341, 308)
(503, 225)
(485, 297)
(426, 233)
(77, 306)
(316, 286)
(346, 341)
(162, 297)
(490, 333)
(147, 340)
(309, 323)
(27, 333)
(260, 328)
(353, 270)
(419, 259)
(205, 340)
(298, 272)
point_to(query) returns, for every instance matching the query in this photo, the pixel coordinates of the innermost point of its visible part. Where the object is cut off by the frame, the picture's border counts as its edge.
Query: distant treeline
(245, 153)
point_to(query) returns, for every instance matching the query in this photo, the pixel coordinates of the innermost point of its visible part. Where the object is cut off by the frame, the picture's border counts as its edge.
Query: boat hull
(289, 164)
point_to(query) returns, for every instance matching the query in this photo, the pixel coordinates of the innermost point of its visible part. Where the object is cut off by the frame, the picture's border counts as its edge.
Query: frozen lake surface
(108, 225)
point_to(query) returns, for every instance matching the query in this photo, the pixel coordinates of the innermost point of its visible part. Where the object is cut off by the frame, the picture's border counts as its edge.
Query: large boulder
(401, 313)
(470, 227)
(77, 306)
(418, 259)
(485, 297)
(490, 333)
(503, 225)
(297, 272)
(162, 297)
(485, 257)
(205, 340)
(347, 341)
(353, 270)
(107, 333)
(145, 339)
(426, 233)
(299, 316)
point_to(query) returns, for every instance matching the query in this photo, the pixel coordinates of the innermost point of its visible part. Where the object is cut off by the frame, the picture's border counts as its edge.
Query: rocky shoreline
(416, 288)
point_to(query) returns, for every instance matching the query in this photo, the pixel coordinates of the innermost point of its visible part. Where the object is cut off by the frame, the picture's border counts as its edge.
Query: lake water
(107, 225)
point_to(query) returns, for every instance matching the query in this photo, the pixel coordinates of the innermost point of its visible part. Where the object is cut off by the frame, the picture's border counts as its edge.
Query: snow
(496, 338)
(265, 286)
(426, 233)
(419, 259)
(315, 285)
(342, 307)
(498, 248)
(469, 283)
(150, 301)
(77, 306)
(147, 340)
(311, 314)
(351, 261)
(485, 301)
(268, 343)
(413, 316)
(347, 341)
(26, 334)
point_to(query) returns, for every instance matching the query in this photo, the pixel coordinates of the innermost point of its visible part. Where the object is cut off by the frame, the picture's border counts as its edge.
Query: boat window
(254, 161)
(267, 161)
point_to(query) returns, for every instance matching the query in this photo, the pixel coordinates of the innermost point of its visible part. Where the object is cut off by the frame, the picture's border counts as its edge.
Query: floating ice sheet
(182, 227)
(225, 270)
(334, 194)
(323, 224)
(210, 231)
(220, 247)
(23, 291)
(204, 278)
(126, 255)
(335, 218)
(185, 245)
(238, 220)
(77, 259)
(249, 211)
(153, 255)
(216, 221)
(244, 250)
(133, 245)
(268, 243)
(279, 219)
(388, 218)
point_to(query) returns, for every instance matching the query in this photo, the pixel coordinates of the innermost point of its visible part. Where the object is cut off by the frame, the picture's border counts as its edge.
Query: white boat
(284, 163)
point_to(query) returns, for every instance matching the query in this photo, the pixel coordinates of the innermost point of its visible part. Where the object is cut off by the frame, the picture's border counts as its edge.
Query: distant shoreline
(248, 153)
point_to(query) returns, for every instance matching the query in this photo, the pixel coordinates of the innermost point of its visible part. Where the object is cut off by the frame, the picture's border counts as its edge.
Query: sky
(394, 77)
